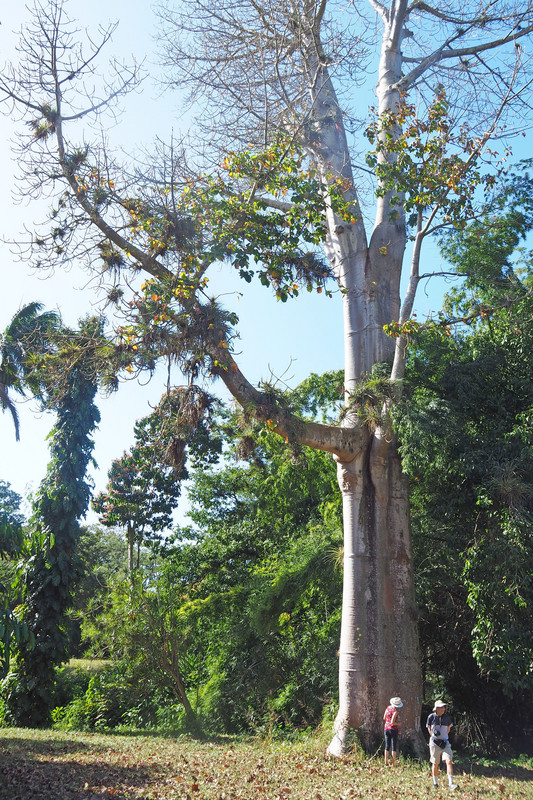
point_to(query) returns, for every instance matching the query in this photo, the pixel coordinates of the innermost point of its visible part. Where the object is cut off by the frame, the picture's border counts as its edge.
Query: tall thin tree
(49, 564)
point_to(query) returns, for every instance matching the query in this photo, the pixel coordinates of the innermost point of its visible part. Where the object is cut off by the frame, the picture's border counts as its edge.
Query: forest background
(286, 583)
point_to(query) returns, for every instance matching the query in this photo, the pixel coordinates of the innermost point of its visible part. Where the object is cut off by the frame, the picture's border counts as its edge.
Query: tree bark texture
(378, 654)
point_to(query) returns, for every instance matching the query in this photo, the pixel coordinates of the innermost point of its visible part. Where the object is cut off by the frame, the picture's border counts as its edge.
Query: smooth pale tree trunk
(378, 654)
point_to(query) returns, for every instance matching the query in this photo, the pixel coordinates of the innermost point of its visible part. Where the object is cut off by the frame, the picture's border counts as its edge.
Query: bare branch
(446, 52)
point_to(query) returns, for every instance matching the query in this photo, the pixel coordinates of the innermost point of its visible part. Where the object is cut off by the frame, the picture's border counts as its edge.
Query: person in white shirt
(439, 724)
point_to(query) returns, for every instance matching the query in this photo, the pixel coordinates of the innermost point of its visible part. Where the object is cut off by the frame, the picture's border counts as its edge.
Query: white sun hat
(396, 702)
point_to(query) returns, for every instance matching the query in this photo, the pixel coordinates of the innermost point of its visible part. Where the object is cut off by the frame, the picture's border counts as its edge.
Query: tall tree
(276, 73)
(139, 500)
(49, 564)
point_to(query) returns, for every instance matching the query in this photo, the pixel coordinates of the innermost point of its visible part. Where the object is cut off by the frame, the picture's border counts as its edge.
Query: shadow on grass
(510, 772)
(178, 734)
(36, 769)
(13, 745)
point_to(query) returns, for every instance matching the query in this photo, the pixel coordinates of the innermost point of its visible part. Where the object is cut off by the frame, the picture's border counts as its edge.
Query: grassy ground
(90, 665)
(53, 765)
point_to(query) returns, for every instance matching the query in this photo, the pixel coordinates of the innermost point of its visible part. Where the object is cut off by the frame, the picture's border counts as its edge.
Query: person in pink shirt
(392, 729)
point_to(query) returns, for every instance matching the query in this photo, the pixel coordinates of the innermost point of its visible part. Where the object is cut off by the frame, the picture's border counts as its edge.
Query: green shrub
(114, 697)
(71, 683)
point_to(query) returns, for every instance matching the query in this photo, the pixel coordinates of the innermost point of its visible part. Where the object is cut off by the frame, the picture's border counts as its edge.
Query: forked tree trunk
(379, 653)
(170, 665)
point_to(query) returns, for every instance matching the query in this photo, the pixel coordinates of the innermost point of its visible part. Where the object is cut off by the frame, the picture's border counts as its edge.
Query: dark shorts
(391, 740)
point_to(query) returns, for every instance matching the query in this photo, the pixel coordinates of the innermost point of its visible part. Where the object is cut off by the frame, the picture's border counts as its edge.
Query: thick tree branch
(420, 5)
(343, 442)
(380, 9)
(148, 263)
(279, 205)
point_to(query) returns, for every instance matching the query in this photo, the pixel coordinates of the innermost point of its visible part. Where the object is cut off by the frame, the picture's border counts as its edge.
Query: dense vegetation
(49, 552)
(232, 624)
(465, 424)
(235, 621)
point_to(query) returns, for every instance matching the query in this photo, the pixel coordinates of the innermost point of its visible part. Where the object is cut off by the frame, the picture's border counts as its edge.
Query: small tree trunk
(379, 654)
(131, 541)
(171, 667)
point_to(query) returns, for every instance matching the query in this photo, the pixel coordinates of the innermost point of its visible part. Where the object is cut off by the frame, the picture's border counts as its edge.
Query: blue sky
(286, 341)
